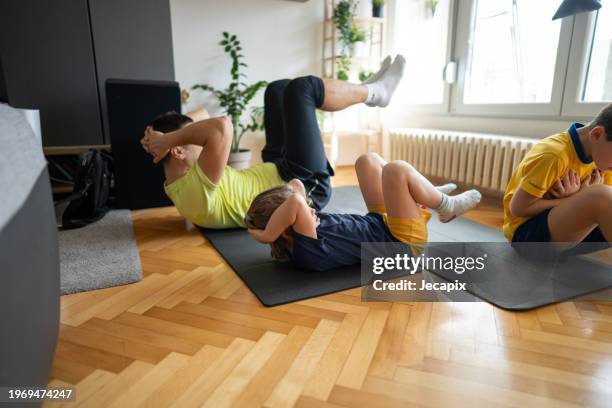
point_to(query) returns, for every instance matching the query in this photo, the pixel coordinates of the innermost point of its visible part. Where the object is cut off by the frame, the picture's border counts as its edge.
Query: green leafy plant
(378, 3)
(357, 35)
(342, 75)
(433, 4)
(236, 97)
(343, 20)
(344, 65)
(349, 33)
(364, 75)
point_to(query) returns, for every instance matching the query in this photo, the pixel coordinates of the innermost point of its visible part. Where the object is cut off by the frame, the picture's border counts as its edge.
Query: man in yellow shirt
(194, 155)
(562, 190)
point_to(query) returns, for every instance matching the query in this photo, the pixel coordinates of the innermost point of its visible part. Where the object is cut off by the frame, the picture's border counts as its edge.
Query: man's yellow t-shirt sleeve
(539, 173)
(204, 178)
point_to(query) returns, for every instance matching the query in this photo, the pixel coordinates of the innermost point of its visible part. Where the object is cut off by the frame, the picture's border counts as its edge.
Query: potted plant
(343, 20)
(358, 43)
(349, 34)
(235, 99)
(344, 66)
(377, 8)
(365, 74)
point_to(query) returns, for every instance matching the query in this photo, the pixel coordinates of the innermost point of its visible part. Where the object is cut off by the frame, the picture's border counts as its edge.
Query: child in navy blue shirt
(395, 194)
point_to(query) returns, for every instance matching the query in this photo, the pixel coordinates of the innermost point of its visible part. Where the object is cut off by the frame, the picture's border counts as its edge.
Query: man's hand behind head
(155, 143)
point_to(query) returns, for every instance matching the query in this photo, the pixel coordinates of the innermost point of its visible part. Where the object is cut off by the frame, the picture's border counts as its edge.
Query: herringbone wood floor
(192, 334)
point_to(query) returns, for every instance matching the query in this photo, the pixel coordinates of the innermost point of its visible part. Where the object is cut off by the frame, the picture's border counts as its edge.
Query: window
(422, 35)
(513, 52)
(512, 59)
(598, 79)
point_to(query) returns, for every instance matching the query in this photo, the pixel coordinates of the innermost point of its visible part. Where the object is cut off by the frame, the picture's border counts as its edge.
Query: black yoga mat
(513, 282)
(509, 281)
(275, 283)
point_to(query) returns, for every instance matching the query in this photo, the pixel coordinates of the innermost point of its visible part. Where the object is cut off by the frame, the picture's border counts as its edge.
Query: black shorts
(536, 229)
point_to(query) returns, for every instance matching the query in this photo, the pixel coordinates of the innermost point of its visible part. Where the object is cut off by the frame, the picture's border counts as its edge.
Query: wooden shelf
(373, 54)
(367, 59)
(62, 189)
(69, 150)
(363, 20)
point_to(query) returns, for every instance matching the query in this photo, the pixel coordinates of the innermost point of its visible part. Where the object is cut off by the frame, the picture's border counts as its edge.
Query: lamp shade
(571, 7)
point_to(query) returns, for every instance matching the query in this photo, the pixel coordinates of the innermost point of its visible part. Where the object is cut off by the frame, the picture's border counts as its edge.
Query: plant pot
(360, 49)
(240, 159)
(377, 11)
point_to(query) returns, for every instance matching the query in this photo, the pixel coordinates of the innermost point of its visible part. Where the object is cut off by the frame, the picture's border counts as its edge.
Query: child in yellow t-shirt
(562, 190)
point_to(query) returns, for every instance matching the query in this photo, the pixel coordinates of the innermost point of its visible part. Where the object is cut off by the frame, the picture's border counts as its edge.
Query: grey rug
(100, 255)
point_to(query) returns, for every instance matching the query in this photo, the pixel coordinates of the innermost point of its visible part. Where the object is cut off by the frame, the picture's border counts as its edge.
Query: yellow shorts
(411, 231)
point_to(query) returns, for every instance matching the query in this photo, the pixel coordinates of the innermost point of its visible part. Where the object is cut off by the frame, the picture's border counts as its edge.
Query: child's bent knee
(396, 170)
(400, 165)
(368, 159)
(601, 192)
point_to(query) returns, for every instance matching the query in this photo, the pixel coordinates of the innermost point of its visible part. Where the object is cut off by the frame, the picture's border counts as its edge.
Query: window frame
(463, 39)
(444, 106)
(575, 39)
(582, 41)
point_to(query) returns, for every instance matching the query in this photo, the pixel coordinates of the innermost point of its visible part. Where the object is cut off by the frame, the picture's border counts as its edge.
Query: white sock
(384, 66)
(381, 91)
(454, 206)
(447, 188)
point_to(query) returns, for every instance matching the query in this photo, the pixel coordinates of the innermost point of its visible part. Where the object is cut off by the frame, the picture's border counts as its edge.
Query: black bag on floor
(88, 202)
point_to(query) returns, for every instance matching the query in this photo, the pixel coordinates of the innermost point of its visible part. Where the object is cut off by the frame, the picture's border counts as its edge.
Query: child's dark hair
(260, 211)
(604, 119)
(169, 122)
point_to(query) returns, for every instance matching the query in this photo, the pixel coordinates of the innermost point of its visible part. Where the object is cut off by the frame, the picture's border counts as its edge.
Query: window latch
(449, 74)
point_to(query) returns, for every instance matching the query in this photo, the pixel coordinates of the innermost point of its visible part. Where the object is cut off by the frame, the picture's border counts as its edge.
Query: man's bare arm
(198, 114)
(214, 135)
(206, 132)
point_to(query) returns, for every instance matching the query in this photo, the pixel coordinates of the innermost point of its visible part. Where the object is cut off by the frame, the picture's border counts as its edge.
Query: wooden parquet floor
(191, 334)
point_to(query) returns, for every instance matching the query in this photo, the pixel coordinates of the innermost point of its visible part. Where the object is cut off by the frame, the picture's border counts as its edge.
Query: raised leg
(574, 219)
(303, 143)
(341, 94)
(274, 121)
(404, 187)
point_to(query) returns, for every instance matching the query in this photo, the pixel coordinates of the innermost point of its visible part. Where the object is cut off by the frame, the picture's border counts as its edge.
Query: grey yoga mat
(511, 283)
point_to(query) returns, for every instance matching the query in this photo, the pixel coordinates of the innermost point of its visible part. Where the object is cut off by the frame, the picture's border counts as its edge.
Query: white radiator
(474, 159)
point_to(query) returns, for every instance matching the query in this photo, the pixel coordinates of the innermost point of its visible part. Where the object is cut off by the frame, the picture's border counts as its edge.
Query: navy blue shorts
(536, 229)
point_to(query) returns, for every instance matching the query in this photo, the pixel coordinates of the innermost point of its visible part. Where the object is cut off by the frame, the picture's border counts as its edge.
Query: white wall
(280, 39)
